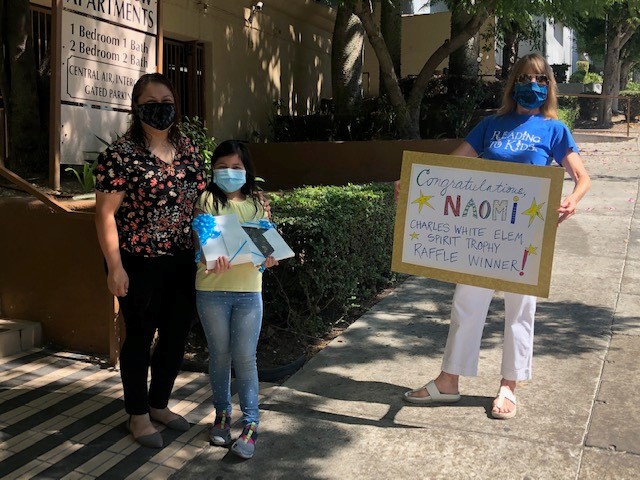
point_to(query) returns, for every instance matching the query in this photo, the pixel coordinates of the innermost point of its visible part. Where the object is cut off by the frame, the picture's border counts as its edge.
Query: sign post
(477, 222)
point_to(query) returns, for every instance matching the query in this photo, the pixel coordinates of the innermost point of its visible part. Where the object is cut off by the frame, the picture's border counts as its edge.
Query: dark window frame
(183, 64)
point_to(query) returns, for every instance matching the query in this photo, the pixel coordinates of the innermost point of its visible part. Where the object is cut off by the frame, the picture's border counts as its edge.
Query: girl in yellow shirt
(229, 300)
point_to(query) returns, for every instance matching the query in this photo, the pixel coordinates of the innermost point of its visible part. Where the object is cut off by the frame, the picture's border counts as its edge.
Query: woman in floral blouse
(146, 185)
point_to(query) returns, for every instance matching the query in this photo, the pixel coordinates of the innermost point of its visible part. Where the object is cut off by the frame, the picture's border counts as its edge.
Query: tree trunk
(391, 30)
(18, 81)
(625, 70)
(346, 67)
(419, 87)
(408, 111)
(463, 61)
(387, 71)
(620, 35)
(509, 50)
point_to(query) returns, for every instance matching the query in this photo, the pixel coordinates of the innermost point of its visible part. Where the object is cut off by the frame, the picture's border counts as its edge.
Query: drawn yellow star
(534, 211)
(532, 250)
(414, 236)
(423, 200)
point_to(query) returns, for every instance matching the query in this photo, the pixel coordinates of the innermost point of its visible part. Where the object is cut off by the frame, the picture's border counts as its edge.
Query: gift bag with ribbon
(223, 236)
(266, 240)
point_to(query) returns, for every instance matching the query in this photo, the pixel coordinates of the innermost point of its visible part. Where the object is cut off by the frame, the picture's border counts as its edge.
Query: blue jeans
(231, 323)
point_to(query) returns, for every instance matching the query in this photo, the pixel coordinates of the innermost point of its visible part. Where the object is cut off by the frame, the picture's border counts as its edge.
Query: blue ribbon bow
(262, 223)
(205, 226)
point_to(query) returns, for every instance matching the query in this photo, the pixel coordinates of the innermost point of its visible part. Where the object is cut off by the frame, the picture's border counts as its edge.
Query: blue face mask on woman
(229, 179)
(530, 95)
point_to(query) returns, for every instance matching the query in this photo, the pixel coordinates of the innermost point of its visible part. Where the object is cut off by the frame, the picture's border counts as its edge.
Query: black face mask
(157, 115)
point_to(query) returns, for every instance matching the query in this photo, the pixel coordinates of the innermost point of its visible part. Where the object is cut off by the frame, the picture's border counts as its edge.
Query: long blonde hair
(538, 64)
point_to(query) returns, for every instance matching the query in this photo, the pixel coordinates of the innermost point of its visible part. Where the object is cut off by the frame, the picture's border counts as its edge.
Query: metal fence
(602, 97)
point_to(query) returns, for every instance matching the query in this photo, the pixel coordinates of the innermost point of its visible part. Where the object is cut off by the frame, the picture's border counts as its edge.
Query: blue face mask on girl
(229, 179)
(530, 95)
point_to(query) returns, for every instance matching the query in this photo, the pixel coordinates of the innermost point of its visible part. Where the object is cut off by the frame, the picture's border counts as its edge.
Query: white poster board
(106, 45)
(477, 222)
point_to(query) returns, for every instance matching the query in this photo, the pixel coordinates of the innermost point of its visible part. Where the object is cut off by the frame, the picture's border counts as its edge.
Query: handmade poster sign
(477, 222)
(224, 236)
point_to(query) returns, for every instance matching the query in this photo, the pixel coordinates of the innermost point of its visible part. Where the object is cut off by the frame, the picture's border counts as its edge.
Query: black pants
(161, 296)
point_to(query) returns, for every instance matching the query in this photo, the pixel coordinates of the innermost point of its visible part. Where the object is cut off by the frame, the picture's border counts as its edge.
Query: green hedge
(582, 66)
(588, 107)
(580, 76)
(633, 87)
(568, 110)
(635, 103)
(342, 237)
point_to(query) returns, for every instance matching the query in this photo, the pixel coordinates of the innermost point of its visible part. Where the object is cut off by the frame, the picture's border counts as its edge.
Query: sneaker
(220, 431)
(245, 446)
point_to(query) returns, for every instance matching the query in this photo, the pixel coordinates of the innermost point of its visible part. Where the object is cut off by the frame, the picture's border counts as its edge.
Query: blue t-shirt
(531, 139)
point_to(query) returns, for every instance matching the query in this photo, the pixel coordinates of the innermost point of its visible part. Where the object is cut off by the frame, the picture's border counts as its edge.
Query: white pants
(468, 315)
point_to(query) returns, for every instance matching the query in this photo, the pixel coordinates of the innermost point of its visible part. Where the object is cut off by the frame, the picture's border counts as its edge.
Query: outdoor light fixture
(204, 5)
(257, 7)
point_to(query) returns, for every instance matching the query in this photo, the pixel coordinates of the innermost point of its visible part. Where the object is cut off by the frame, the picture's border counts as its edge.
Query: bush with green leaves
(592, 77)
(84, 174)
(568, 110)
(635, 103)
(633, 87)
(577, 76)
(588, 108)
(450, 103)
(196, 131)
(568, 116)
(582, 66)
(580, 76)
(343, 239)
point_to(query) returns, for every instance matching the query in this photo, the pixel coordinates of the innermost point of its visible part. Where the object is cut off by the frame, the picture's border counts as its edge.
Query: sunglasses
(540, 79)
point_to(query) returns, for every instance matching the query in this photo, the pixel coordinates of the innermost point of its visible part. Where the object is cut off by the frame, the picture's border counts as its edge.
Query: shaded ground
(619, 126)
(278, 347)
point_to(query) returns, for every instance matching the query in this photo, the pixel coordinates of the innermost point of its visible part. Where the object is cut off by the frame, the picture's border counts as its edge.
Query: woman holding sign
(147, 183)
(528, 113)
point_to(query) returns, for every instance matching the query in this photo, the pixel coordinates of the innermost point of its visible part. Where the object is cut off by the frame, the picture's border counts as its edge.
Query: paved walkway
(342, 415)
(62, 417)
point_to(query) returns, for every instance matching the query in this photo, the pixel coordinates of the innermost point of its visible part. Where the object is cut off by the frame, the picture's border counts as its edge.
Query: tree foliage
(517, 15)
(613, 39)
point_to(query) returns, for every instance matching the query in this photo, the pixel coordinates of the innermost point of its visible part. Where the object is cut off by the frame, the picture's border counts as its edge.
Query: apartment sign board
(105, 46)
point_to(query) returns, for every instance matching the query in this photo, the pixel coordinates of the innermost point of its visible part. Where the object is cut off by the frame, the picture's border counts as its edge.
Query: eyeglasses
(540, 79)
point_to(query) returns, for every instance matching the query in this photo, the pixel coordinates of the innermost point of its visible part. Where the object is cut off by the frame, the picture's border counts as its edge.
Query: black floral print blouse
(155, 215)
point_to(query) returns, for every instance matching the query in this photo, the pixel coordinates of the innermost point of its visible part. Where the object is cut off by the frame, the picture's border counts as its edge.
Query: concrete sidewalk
(342, 415)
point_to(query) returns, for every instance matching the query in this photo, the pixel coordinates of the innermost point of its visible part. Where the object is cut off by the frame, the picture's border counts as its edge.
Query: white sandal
(504, 393)
(434, 397)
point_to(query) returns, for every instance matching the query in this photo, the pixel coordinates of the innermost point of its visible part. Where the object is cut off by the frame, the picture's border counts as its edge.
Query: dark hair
(234, 147)
(136, 132)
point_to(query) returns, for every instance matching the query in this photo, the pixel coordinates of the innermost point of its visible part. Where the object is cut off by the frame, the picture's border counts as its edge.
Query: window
(183, 63)
(41, 35)
(41, 31)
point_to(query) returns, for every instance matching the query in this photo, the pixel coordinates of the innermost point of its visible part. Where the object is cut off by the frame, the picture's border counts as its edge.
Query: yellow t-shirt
(244, 277)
